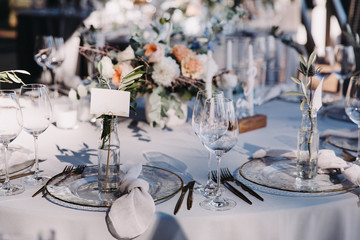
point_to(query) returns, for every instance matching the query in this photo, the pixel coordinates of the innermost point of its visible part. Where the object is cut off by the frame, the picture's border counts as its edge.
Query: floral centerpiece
(173, 73)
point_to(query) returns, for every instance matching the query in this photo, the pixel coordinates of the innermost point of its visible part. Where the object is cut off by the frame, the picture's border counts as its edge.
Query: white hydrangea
(165, 72)
(107, 68)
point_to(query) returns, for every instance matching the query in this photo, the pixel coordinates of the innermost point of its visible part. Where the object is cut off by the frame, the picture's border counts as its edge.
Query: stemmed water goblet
(219, 132)
(54, 61)
(10, 126)
(42, 50)
(37, 116)
(352, 107)
(201, 96)
(345, 60)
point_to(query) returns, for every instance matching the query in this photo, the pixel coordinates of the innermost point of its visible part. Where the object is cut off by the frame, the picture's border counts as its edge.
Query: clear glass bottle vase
(307, 145)
(109, 160)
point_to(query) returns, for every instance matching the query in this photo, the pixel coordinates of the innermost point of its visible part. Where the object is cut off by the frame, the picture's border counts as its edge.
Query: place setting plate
(80, 191)
(278, 175)
(349, 144)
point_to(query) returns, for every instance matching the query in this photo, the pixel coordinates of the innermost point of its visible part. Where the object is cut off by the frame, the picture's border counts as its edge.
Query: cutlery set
(68, 170)
(190, 187)
(225, 178)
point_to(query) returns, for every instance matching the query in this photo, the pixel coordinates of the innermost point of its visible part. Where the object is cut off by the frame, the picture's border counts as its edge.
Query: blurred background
(310, 24)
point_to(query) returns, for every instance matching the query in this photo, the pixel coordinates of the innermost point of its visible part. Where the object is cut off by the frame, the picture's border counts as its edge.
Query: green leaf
(14, 78)
(303, 89)
(302, 60)
(302, 104)
(21, 71)
(296, 80)
(294, 93)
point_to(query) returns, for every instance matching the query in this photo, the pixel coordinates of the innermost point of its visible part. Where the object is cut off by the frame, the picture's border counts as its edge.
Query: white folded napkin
(345, 133)
(17, 155)
(132, 213)
(326, 160)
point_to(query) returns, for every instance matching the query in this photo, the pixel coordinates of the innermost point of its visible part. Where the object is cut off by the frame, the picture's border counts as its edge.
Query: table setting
(159, 150)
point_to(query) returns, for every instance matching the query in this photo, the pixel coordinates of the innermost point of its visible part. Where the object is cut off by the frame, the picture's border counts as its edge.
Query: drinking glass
(37, 116)
(201, 96)
(42, 51)
(345, 61)
(352, 107)
(54, 61)
(219, 132)
(10, 126)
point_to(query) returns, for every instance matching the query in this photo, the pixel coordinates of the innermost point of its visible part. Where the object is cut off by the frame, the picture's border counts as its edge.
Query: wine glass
(344, 64)
(10, 126)
(352, 107)
(54, 61)
(37, 116)
(42, 51)
(201, 96)
(219, 132)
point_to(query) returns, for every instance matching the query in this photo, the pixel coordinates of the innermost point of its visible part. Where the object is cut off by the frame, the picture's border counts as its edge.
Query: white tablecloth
(279, 217)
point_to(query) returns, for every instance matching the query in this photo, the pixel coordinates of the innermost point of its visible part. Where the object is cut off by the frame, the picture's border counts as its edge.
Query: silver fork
(66, 170)
(226, 174)
(78, 170)
(230, 187)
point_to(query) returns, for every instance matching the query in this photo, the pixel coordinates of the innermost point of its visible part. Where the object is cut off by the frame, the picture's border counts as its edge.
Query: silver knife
(181, 198)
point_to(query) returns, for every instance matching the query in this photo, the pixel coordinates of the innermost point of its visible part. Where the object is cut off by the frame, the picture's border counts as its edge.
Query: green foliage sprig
(306, 68)
(10, 76)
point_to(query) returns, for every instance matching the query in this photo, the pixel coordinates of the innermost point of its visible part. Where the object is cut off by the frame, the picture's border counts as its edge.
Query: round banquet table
(280, 216)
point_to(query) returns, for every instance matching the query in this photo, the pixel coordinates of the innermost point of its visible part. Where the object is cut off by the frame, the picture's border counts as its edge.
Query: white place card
(110, 102)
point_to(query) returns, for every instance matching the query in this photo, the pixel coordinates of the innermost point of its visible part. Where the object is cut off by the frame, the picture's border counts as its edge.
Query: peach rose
(121, 70)
(154, 51)
(192, 67)
(180, 52)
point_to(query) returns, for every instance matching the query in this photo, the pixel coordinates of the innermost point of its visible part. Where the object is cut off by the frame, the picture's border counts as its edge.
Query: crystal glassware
(219, 132)
(10, 126)
(42, 50)
(54, 61)
(344, 64)
(201, 96)
(37, 116)
(352, 107)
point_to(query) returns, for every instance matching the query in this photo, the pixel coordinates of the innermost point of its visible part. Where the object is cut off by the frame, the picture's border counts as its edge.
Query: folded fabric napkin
(132, 213)
(345, 133)
(17, 155)
(326, 160)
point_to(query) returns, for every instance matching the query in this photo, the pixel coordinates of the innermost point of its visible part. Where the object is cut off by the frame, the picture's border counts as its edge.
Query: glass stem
(209, 169)
(36, 155)
(7, 180)
(341, 84)
(358, 148)
(218, 158)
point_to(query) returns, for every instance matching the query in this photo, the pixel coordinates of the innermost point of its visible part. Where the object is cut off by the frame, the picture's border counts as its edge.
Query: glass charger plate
(81, 190)
(343, 143)
(337, 113)
(279, 173)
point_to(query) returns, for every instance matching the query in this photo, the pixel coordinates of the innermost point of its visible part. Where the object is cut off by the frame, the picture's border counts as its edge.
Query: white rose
(126, 55)
(107, 68)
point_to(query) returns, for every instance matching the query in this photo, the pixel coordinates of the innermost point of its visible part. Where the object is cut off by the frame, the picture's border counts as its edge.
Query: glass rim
(7, 91)
(33, 86)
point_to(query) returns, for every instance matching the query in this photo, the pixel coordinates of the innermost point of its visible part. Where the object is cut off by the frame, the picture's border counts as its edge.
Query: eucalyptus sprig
(307, 68)
(10, 76)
